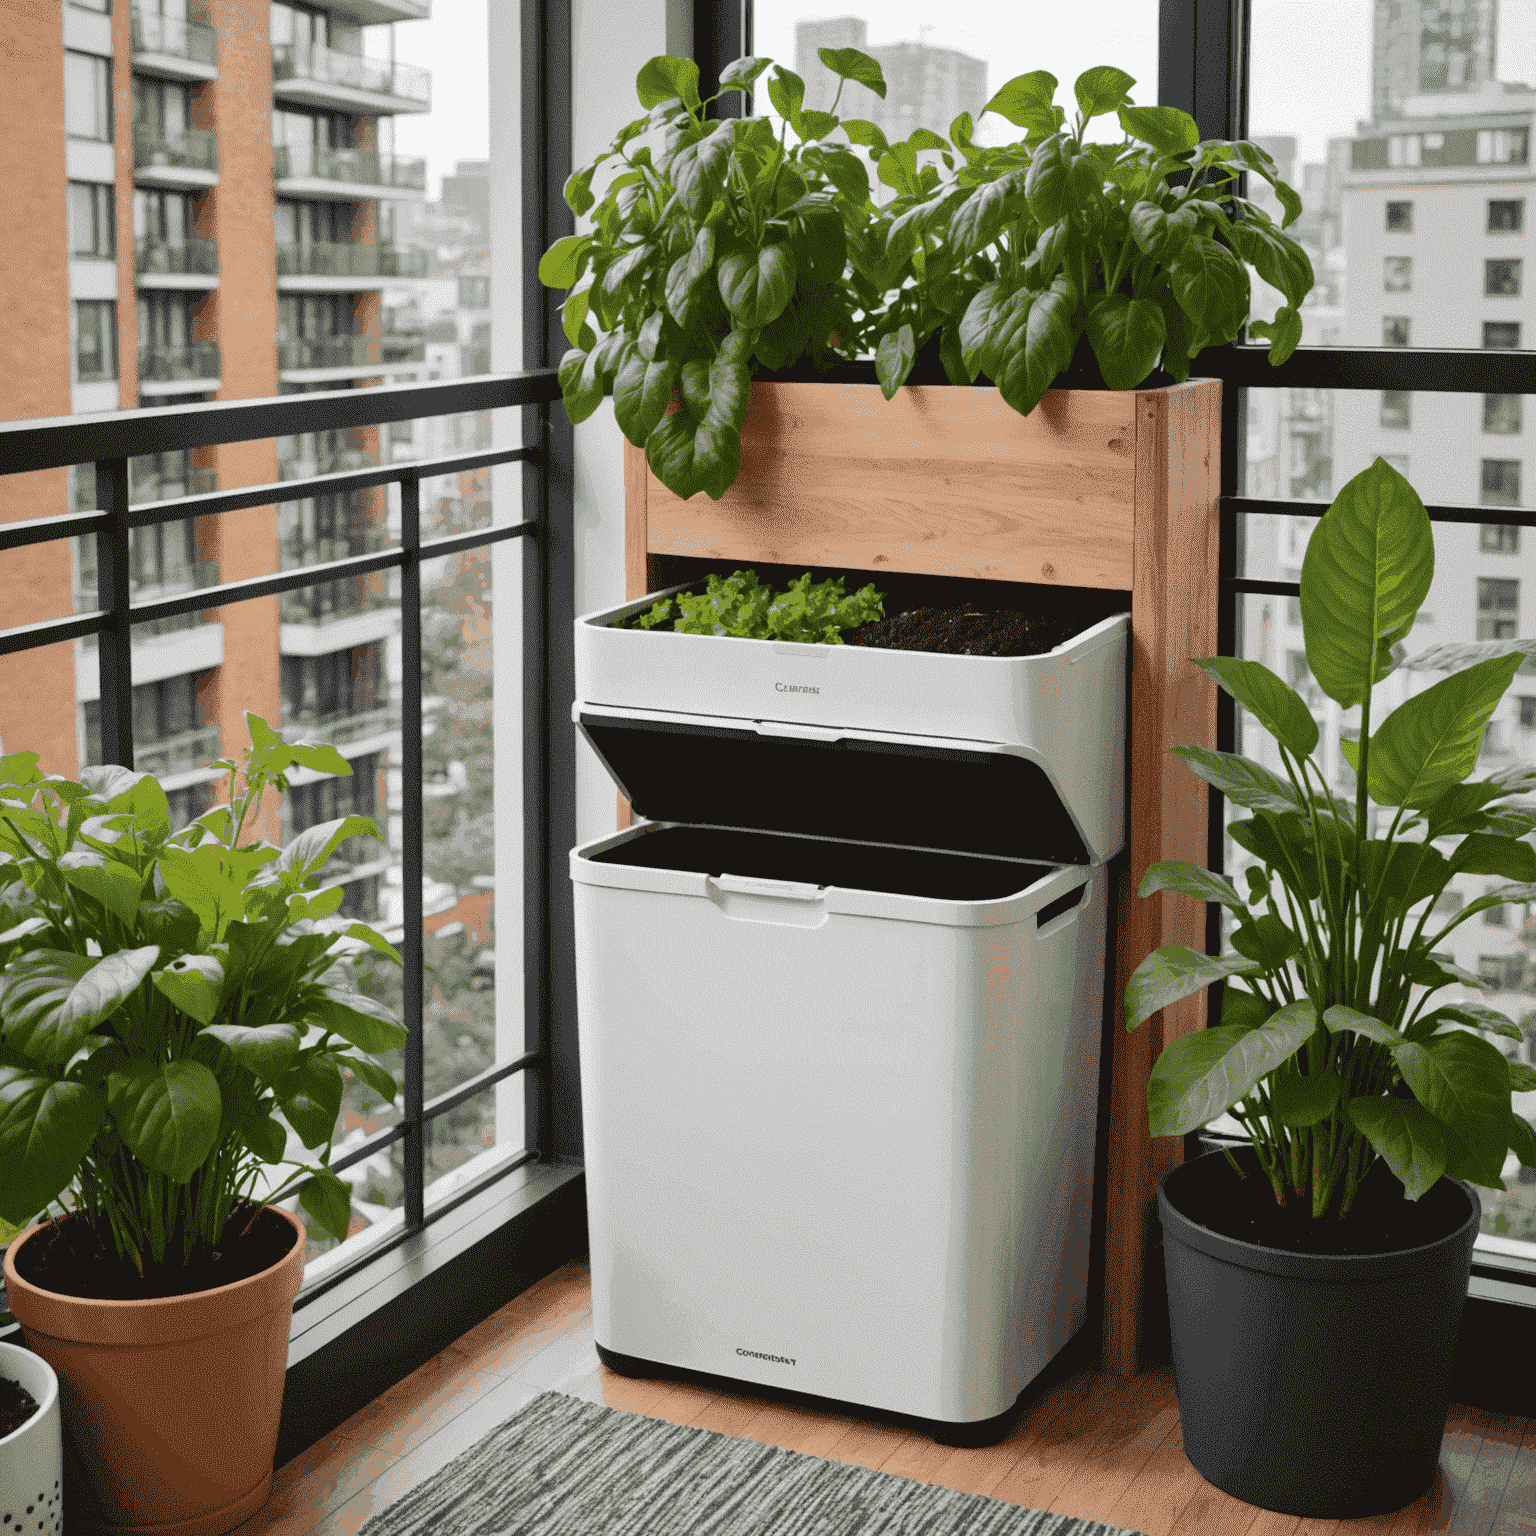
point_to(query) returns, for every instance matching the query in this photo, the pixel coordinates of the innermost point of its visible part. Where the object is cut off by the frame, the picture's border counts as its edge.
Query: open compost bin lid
(867, 787)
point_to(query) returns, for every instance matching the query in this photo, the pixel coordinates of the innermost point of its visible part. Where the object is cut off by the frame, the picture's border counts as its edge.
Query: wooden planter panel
(938, 481)
(1092, 489)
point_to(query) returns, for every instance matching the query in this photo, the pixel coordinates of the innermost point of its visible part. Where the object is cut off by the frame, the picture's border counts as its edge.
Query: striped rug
(564, 1467)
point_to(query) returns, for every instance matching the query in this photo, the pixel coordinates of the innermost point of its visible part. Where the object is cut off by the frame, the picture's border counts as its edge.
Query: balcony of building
(309, 171)
(172, 47)
(317, 76)
(325, 266)
(318, 359)
(151, 477)
(175, 157)
(173, 370)
(186, 264)
(374, 13)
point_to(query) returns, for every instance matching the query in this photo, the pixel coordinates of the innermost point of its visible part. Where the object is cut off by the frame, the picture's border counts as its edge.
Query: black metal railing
(111, 440)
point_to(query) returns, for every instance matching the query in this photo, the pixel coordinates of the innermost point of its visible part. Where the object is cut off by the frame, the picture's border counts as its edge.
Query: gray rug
(564, 1467)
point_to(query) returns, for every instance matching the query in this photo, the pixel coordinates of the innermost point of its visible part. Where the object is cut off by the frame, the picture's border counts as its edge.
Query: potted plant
(740, 243)
(1316, 1278)
(171, 1006)
(31, 1443)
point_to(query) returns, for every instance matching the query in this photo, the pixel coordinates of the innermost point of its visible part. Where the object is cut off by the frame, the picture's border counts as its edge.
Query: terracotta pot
(173, 1404)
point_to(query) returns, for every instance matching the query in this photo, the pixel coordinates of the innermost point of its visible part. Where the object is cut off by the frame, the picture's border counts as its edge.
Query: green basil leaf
(329, 1200)
(850, 64)
(786, 90)
(665, 78)
(560, 266)
(309, 1097)
(894, 356)
(50, 1000)
(264, 1050)
(46, 1127)
(1168, 130)
(641, 393)
(579, 385)
(1025, 100)
(167, 1113)
(1283, 334)
(1101, 90)
(757, 285)
(1127, 336)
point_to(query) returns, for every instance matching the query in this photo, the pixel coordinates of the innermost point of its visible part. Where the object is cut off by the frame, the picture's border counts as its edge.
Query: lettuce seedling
(742, 606)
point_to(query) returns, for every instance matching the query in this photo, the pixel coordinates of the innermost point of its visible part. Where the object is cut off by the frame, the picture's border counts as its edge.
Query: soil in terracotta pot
(1383, 1220)
(70, 1259)
(17, 1405)
(965, 631)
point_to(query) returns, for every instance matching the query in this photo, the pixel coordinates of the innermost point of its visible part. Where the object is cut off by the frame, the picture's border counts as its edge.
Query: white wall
(610, 40)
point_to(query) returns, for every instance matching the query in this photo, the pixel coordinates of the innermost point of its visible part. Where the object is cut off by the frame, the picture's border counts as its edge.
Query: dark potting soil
(17, 1405)
(966, 631)
(70, 1259)
(1383, 1219)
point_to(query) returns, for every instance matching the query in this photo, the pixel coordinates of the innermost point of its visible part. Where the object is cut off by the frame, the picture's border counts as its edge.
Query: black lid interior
(958, 799)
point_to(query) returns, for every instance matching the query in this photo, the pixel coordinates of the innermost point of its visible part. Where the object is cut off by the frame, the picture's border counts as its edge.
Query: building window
(1506, 973)
(1501, 414)
(1399, 462)
(1394, 331)
(88, 97)
(1499, 539)
(1502, 334)
(1397, 276)
(91, 220)
(1405, 150)
(1498, 608)
(1503, 146)
(1399, 218)
(474, 293)
(161, 711)
(95, 340)
(1506, 216)
(1527, 703)
(1501, 483)
(1496, 917)
(1396, 409)
(1501, 278)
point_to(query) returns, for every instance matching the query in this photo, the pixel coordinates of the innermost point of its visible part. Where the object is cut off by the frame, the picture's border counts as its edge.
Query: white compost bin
(840, 1006)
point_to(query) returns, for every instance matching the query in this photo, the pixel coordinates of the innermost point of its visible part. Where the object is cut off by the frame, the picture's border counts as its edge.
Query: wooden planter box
(1101, 489)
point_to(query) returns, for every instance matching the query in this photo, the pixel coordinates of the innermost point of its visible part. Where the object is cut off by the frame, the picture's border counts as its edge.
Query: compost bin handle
(796, 732)
(785, 890)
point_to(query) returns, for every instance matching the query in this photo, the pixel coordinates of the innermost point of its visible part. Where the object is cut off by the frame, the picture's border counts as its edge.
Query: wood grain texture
(637, 559)
(941, 480)
(1173, 618)
(1095, 1446)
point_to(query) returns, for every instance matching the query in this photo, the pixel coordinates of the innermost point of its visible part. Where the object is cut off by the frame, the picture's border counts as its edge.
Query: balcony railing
(191, 577)
(335, 600)
(368, 539)
(169, 365)
(403, 347)
(325, 66)
(149, 33)
(194, 149)
(151, 484)
(195, 257)
(350, 351)
(359, 167)
(342, 730)
(336, 259)
(178, 754)
(325, 463)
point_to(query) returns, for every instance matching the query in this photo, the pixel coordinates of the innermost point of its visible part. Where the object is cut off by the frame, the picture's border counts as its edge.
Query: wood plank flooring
(1095, 1446)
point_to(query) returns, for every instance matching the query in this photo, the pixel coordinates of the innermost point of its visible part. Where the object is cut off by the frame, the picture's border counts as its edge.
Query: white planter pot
(32, 1457)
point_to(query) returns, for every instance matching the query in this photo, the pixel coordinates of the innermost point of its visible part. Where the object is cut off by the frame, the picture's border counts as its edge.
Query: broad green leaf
(1407, 1138)
(1174, 972)
(375, 940)
(1101, 89)
(894, 356)
(51, 1000)
(1482, 853)
(850, 64)
(1168, 130)
(263, 1135)
(264, 1050)
(1269, 699)
(360, 1020)
(573, 318)
(321, 757)
(742, 73)
(136, 794)
(701, 170)
(1244, 1010)
(212, 881)
(993, 319)
(756, 285)
(1352, 1021)
(1026, 101)
(1240, 779)
(560, 266)
(1202, 1075)
(1127, 337)
(897, 168)
(1368, 567)
(666, 78)
(46, 1127)
(641, 392)
(1267, 940)
(1048, 340)
(1191, 880)
(580, 388)
(1469, 1015)
(846, 172)
(167, 1113)
(1211, 285)
(1522, 1140)
(194, 984)
(1049, 185)
(1463, 1081)
(819, 241)
(786, 90)
(270, 752)
(1431, 740)
(979, 220)
(1302, 1101)
(107, 881)
(1283, 333)
(1453, 656)
(329, 1200)
(1436, 971)
(578, 190)
(307, 854)
(1274, 256)
(865, 134)
(371, 1073)
(1162, 234)
(309, 1096)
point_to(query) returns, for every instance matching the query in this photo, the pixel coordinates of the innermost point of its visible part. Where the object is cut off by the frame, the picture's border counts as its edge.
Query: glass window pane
(87, 97)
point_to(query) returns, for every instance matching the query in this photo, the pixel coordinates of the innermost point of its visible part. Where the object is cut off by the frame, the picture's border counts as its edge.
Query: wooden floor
(1095, 1446)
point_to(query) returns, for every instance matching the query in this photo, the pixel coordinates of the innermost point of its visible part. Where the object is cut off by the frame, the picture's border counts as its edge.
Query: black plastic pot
(1312, 1384)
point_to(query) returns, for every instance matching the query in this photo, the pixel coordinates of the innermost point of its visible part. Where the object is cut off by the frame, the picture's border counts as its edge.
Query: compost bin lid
(860, 786)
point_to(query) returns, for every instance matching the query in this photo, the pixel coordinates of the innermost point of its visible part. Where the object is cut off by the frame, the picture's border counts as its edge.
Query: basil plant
(1335, 1047)
(1141, 247)
(170, 1005)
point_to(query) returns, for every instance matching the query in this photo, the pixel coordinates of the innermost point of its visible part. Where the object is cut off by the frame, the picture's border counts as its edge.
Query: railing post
(415, 1144)
(114, 645)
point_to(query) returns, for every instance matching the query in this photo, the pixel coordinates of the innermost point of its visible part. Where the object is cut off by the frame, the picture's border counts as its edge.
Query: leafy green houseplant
(741, 606)
(169, 1004)
(1333, 1051)
(725, 246)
